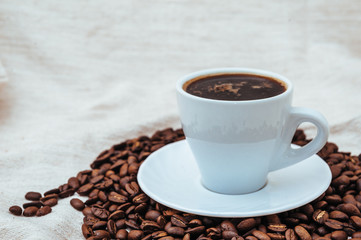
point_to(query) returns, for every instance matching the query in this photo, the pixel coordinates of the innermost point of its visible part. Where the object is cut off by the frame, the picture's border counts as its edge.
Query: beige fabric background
(83, 75)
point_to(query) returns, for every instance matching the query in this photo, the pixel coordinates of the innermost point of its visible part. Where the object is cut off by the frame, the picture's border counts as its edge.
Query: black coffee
(234, 87)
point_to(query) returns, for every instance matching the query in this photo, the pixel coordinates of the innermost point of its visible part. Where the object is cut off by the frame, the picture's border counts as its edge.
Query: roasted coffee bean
(99, 225)
(169, 212)
(87, 211)
(121, 234)
(195, 223)
(102, 196)
(117, 198)
(141, 198)
(273, 219)
(101, 234)
(338, 215)
(141, 208)
(356, 221)
(73, 182)
(94, 193)
(37, 204)
(334, 224)
(262, 228)
(148, 225)
(339, 235)
(321, 205)
(52, 191)
(135, 235)
(48, 197)
(322, 230)
(91, 201)
(356, 235)
(196, 230)
(30, 211)
(178, 221)
(228, 226)
(63, 187)
(119, 214)
(16, 210)
(104, 185)
(228, 235)
(320, 216)
(311, 227)
(307, 209)
(85, 189)
(276, 236)
(260, 235)
(158, 234)
(50, 202)
(300, 216)
(167, 238)
(123, 170)
(349, 209)
(77, 204)
(86, 230)
(130, 210)
(120, 223)
(246, 225)
(187, 236)
(96, 179)
(33, 196)
(132, 188)
(251, 238)
(302, 233)
(349, 199)
(290, 234)
(112, 228)
(90, 220)
(176, 231)
(43, 211)
(341, 180)
(66, 193)
(277, 227)
(132, 224)
(124, 206)
(161, 221)
(100, 212)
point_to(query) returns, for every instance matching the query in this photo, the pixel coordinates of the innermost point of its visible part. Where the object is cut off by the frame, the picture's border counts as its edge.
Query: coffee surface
(235, 87)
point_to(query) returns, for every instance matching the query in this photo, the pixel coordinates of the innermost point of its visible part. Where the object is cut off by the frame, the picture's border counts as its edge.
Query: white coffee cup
(237, 143)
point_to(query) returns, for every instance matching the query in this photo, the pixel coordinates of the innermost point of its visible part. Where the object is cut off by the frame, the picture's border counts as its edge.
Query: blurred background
(79, 76)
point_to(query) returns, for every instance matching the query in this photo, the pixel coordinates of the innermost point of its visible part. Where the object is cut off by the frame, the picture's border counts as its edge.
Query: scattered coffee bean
(37, 204)
(122, 234)
(30, 211)
(135, 235)
(116, 203)
(43, 211)
(302, 233)
(277, 227)
(290, 234)
(77, 204)
(50, 202)
(33, 196)
(16, 210)
(338, 235)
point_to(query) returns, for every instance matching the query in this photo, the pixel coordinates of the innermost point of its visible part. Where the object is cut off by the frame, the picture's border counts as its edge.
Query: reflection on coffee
(235, 87)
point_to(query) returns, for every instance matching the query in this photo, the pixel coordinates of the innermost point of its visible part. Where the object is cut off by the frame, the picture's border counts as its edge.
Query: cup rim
(229, 70)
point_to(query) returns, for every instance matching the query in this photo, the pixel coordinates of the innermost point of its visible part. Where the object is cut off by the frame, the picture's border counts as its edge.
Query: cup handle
(286, 155)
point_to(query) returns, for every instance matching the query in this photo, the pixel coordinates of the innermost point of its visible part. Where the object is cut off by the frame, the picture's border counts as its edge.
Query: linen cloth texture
(84, 75)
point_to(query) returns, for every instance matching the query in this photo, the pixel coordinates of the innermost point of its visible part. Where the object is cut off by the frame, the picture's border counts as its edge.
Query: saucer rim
(253, 213)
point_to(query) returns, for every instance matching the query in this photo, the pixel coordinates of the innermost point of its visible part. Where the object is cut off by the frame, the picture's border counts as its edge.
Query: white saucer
(170, 176)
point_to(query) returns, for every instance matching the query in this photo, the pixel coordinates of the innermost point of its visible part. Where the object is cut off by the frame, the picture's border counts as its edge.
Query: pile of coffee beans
(117, 208)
